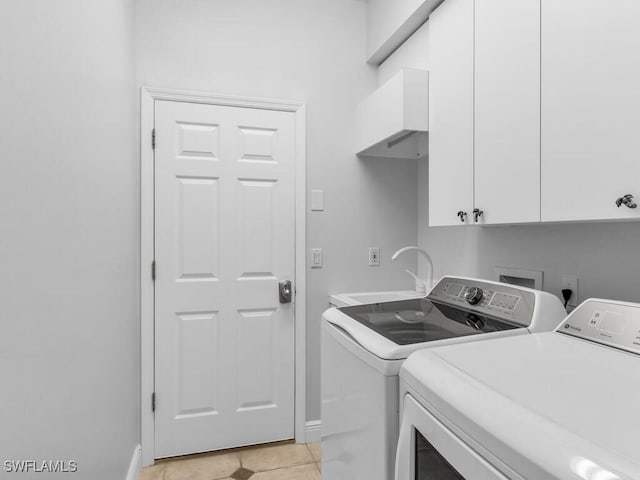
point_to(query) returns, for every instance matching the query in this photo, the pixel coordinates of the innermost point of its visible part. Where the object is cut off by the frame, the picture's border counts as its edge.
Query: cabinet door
(507, 110)
(451, 112)
(590, 108)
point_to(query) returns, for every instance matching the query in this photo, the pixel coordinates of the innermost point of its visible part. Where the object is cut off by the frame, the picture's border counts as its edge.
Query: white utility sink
(346, 299)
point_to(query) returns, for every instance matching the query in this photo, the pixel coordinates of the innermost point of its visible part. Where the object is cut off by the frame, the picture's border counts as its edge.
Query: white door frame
(147, 338)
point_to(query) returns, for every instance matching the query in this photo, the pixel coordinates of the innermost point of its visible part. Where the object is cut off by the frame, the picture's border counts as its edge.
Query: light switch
(317, 200)
(316, 258)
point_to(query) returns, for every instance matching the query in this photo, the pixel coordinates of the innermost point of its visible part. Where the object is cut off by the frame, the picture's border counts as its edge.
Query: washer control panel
(616, 324)
(507, 302)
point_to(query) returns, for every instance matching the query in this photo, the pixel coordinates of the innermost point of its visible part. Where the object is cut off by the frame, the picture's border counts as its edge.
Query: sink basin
(346, 299)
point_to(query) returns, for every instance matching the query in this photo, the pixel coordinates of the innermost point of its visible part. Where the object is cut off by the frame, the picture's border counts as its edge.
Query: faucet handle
(420, 285)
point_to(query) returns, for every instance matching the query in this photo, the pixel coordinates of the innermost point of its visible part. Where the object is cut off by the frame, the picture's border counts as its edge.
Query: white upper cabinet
(590, 108)
(451, 113)
(534, 111)
(392, 122)
(507, 111)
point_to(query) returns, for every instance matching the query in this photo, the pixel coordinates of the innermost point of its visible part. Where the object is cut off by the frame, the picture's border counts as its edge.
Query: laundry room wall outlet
(567, 281)
(374, 256)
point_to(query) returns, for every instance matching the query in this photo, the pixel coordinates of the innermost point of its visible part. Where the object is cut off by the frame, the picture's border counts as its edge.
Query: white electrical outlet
(374, 256)
(571, 283)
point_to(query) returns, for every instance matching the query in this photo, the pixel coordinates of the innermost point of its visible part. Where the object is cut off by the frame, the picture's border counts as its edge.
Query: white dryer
(562, 405)
(364, 346)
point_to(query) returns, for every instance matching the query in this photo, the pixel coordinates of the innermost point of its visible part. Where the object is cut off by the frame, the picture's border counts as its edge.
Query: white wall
(413, 52)
(389, 23)
(314, 52)
(603, 256)
(68, 235)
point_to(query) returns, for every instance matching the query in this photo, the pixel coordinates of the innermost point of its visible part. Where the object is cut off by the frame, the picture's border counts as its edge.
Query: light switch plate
(316, 258)
(317, 200)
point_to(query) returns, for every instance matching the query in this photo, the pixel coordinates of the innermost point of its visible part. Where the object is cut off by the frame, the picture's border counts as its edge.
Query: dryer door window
(428, 450)
(430, 465)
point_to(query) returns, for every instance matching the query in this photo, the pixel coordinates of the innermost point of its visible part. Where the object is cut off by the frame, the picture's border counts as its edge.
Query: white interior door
(224, 238)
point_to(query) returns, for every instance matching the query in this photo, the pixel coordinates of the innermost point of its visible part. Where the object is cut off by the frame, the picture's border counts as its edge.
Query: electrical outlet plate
(567, 281)
(374, 256)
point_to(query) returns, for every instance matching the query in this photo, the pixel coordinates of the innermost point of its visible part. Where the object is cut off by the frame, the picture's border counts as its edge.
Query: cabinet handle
(627, 201)
(477, 213)
(462, 216)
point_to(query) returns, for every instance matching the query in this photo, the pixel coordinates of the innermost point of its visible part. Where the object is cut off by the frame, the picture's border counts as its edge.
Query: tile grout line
(312, 457)
(313, 462)
(310, 452)
(281, 468)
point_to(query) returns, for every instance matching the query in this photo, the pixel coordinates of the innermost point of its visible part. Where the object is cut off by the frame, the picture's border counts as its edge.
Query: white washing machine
(562, 405)
(364, 346)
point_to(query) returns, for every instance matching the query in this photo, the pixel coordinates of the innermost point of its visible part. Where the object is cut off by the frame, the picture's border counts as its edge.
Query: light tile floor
(280, 461)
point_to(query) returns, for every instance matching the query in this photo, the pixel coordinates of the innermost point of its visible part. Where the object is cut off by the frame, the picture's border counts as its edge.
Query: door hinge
(153, 270)
(153, 402)
(153, 139)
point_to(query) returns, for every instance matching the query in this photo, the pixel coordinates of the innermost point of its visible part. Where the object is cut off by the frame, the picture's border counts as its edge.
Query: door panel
(507, 111)
(197, 340)
(590, 105)
(224, 239)
(255, 220)
(198, 227)
(198, 140)
(256, 373)
(451, 112)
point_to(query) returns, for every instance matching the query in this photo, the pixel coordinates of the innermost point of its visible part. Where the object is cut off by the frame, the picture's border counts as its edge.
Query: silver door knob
(285, 291)
(627, 201)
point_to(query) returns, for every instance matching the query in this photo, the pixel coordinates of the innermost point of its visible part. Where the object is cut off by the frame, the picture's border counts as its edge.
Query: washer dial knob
(473, 295)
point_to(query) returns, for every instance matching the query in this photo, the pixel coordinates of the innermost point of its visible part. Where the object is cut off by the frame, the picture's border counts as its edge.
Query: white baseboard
(313, 431)
(136, 464)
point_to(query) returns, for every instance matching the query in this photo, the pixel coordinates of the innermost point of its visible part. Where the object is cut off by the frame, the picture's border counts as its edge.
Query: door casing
(149, 96)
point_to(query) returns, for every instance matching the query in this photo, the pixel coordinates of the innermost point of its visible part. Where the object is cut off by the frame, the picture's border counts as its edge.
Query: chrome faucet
(422, 285)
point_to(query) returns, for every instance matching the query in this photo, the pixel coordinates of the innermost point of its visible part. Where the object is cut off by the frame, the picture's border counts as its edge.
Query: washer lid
(421, 320)
(393, 330)
(548, 405)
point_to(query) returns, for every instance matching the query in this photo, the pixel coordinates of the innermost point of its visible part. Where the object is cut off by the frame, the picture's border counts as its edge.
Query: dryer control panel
(495, 299)
(616, 324)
